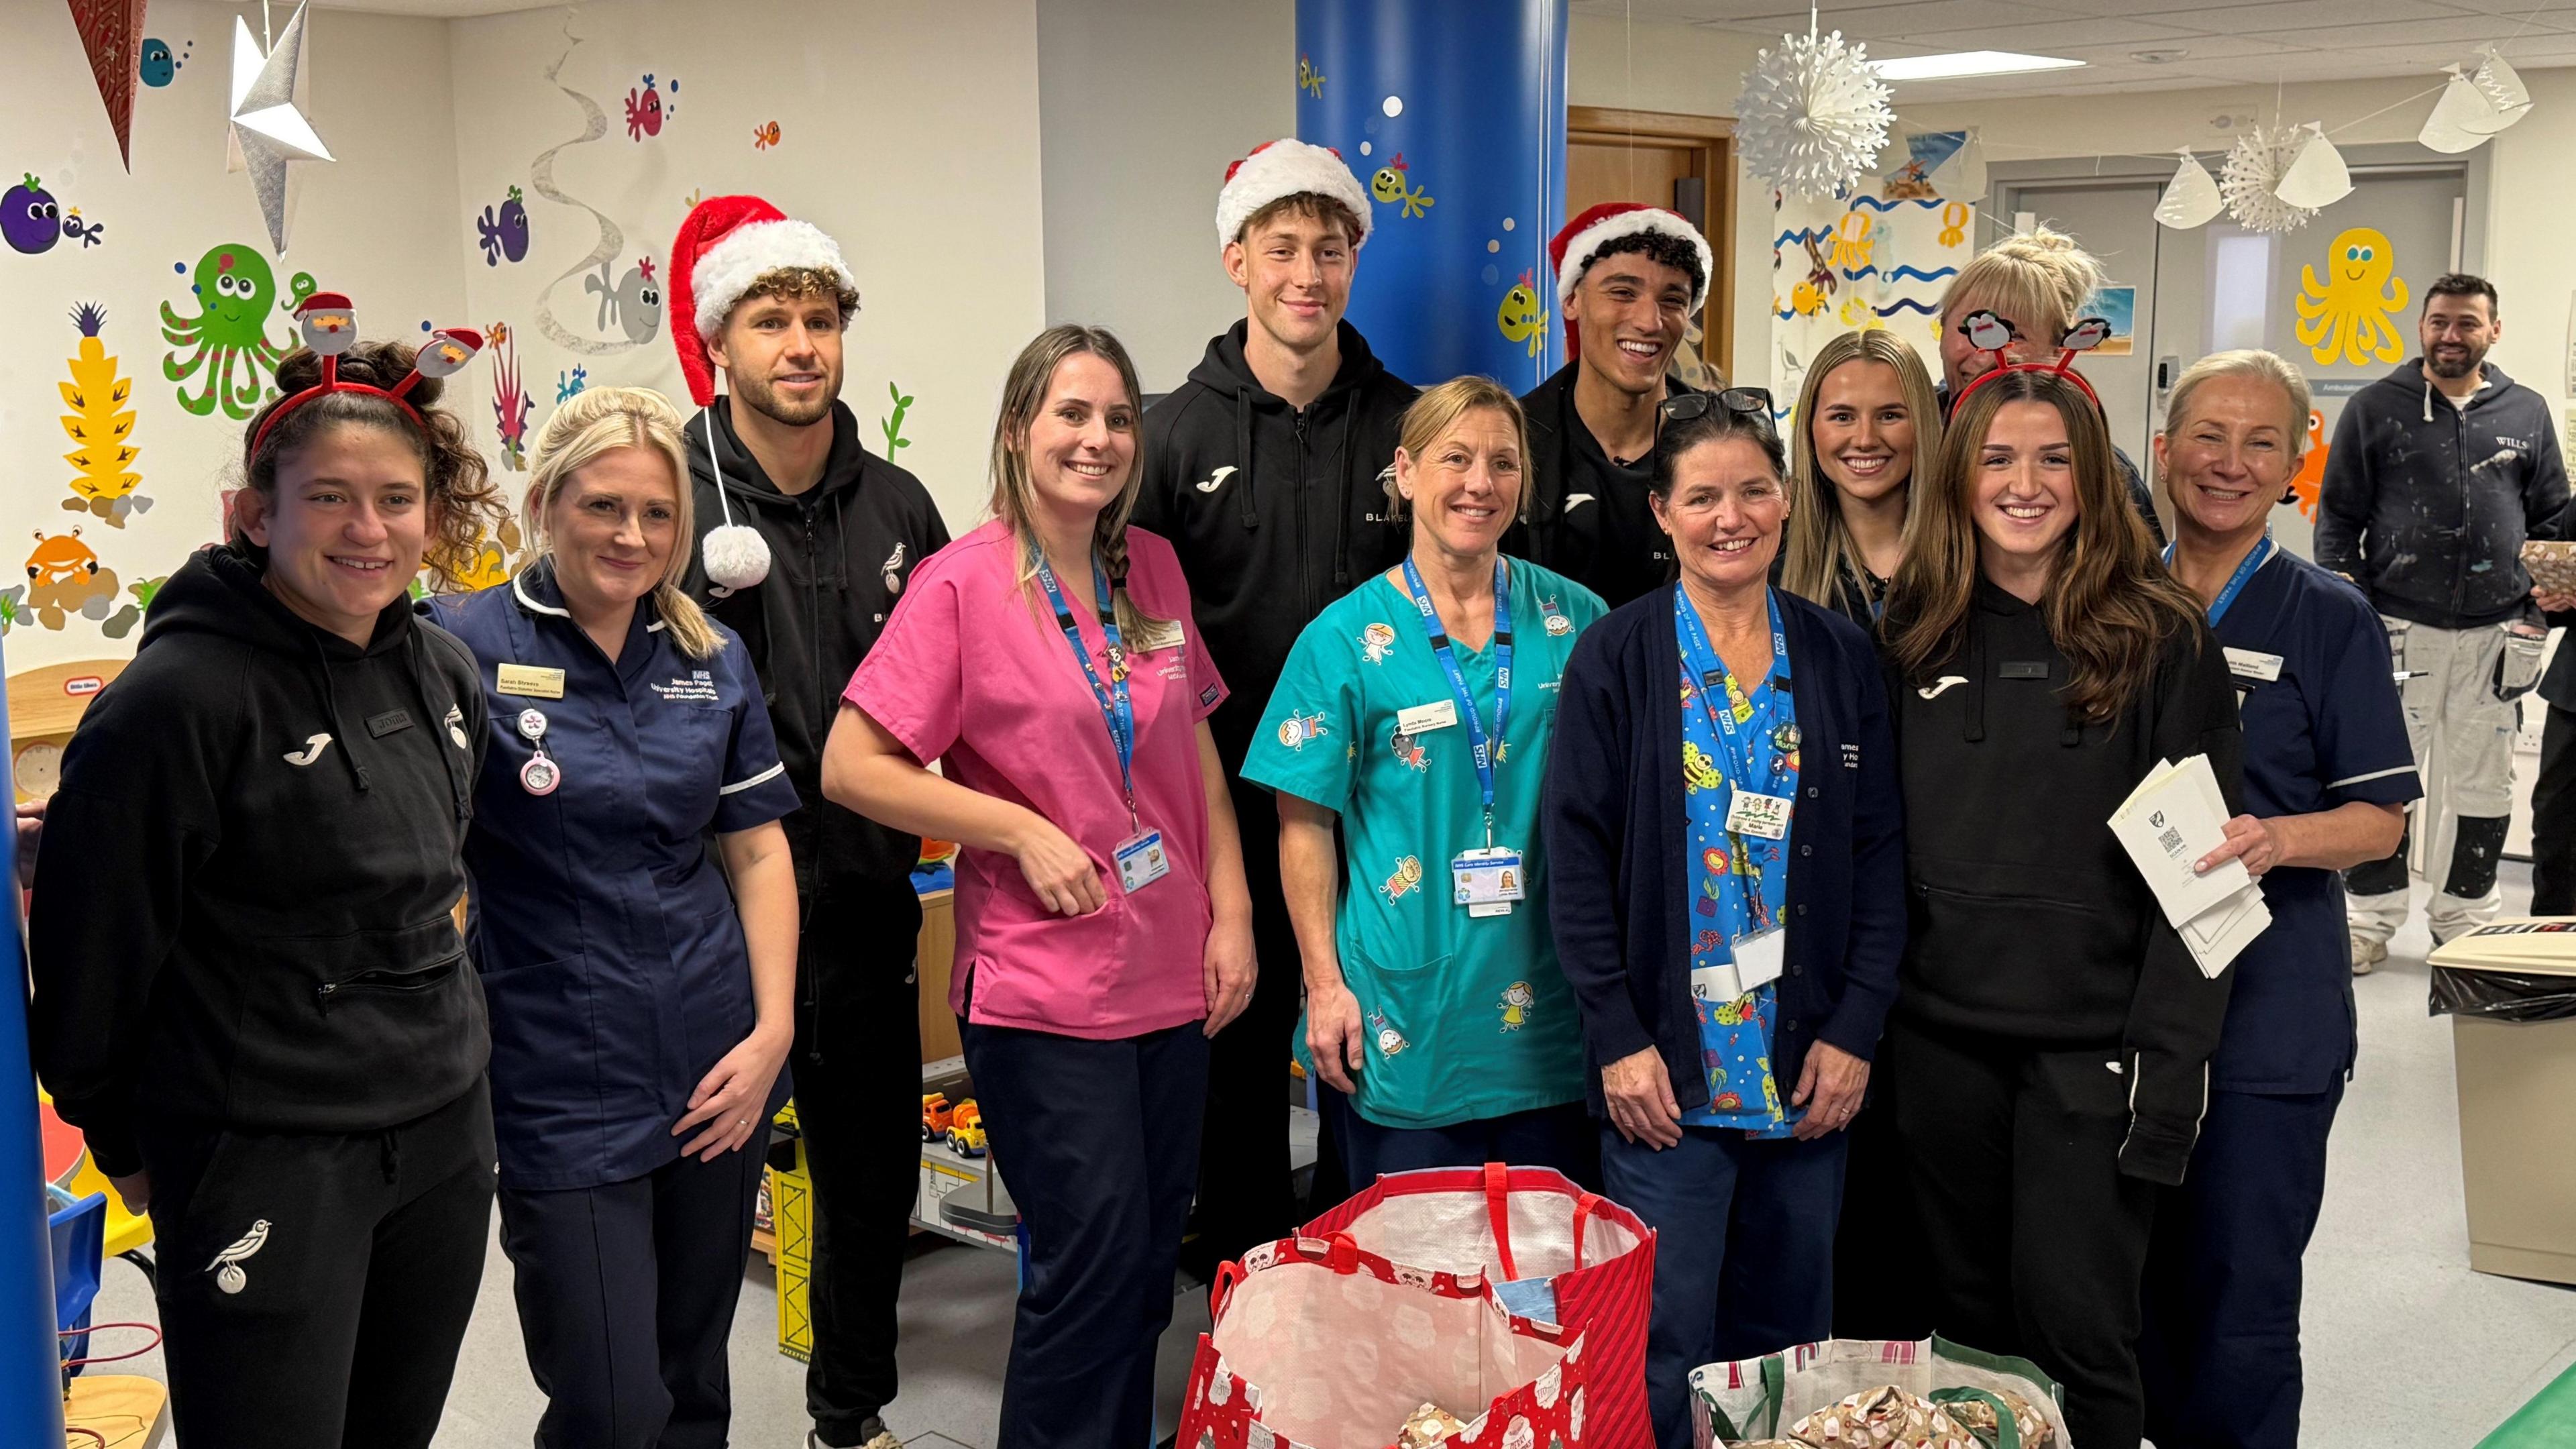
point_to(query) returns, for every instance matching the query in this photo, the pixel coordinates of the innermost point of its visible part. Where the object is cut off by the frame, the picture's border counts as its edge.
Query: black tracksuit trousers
(2038, 1243)
(857, 1071)
(314, 1287)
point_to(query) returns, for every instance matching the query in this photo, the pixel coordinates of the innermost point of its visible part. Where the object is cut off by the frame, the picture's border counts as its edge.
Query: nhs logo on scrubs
(698, 688)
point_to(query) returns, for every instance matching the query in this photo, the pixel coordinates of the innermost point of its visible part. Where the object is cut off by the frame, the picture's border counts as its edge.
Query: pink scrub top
(973, 668)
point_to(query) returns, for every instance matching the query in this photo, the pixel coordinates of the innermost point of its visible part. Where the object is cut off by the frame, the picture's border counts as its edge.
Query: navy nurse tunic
(612, 959)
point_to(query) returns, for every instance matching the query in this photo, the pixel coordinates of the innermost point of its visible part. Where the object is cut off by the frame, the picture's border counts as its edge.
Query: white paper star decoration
(267, 130)
(2252, 177)
(1813, 116)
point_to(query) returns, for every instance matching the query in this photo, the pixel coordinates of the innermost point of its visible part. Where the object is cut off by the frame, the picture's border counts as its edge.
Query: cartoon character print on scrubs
(1408, 749)
(1517, 1001)
(1297, 729)
(1389, 1040)
(1740, 884)
(1557, 623)
(1406, 880)
(1376, 640)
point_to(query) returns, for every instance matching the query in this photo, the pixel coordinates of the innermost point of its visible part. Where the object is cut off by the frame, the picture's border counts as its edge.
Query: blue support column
(1452, 112)
(31, 1392)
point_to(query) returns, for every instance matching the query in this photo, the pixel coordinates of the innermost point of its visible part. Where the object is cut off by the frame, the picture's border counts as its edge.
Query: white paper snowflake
(2253, 169)
(1813, 116)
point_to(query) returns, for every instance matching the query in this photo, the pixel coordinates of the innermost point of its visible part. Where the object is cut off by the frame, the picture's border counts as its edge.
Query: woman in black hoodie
(250, 994)
(2052, 1034)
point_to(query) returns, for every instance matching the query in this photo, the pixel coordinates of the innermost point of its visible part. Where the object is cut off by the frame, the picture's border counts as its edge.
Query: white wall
(1142, 103)
(910, 134)
(374, 225)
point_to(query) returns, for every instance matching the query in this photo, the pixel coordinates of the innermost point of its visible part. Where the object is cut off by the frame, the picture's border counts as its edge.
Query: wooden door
(1682, 163)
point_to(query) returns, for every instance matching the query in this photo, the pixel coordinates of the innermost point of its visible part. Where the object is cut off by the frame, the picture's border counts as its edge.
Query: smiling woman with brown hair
(2052, 1035)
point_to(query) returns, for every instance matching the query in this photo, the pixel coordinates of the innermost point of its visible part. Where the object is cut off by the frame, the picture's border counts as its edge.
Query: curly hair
(794, 283)
(463, 506)
(1654, 246)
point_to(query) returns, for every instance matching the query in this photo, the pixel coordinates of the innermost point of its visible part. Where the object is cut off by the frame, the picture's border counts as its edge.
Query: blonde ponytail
(601, 420)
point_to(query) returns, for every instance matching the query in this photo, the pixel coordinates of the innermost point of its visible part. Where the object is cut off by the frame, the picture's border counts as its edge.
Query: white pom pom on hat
(737, 557)
(1283, 168)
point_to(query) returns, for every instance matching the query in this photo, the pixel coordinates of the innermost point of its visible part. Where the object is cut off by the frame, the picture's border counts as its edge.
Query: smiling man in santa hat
(1628, 278)
(805, 539)
(1262, 470)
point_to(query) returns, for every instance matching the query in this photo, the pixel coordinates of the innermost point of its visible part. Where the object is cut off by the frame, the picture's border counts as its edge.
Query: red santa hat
(725, 244)
(1573, 248)
(1285, 168)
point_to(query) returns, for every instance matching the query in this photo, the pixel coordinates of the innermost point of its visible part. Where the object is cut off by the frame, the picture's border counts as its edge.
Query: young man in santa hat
(1262, 471)
(804, 541)
(1628, 278)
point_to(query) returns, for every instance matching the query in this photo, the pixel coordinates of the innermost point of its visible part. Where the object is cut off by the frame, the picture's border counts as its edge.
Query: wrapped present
(1885, 1417)
(1981, 1412)
(1428, 1425)
(1753, 1400)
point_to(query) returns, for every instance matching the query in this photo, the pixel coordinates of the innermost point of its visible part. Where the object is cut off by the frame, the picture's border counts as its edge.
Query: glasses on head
(1682, 407)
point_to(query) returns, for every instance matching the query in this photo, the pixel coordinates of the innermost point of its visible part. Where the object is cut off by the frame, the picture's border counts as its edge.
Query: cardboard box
(2517, 1137)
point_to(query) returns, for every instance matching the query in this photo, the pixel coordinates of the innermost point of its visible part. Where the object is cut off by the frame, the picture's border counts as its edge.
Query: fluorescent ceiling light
(1966, 63)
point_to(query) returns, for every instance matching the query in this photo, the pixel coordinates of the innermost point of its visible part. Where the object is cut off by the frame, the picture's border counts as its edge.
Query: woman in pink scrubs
(1104, 931)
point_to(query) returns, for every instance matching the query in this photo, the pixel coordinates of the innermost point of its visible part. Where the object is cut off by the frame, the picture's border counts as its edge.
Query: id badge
(1141, 860)
(1752, 813)
(1761, 957)
(1716, 985)
(1488, 880)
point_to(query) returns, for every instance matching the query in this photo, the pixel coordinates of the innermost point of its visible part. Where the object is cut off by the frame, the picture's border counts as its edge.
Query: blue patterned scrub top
(1740, 882)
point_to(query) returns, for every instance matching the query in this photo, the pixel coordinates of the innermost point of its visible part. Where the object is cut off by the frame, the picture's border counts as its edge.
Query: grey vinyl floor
(2405, 1345)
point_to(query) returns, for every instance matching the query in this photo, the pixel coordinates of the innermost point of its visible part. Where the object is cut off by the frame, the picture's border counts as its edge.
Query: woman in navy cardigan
(1729, 903)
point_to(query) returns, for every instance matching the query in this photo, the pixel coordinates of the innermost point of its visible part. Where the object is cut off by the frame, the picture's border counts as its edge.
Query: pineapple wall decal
(101, 427)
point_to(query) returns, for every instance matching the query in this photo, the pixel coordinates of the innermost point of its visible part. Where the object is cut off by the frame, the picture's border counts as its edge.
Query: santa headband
(1991, 334)
(1574, 247)
(725, 244)
(1277, 170)
(330, 328)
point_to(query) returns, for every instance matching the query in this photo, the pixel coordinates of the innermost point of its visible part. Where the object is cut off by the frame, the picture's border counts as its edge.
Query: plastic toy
(935, 1116)
(966, 1130)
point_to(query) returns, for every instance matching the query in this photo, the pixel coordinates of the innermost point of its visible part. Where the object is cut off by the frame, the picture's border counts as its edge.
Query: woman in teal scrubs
(1416, 712)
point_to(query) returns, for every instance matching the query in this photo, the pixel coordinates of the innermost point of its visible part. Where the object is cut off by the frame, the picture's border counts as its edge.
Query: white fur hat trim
(751, 251)
(1578, 252)
(1283, 168)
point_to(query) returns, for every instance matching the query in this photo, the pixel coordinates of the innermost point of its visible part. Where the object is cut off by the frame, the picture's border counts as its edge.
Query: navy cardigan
(1619, 891)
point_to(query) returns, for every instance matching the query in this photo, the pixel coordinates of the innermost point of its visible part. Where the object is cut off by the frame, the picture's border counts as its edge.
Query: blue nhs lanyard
(1482, 746)
(2235, 581)
(1112, 697)
(1738, 753)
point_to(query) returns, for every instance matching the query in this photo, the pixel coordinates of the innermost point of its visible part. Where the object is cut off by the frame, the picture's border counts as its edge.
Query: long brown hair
(1024, 392)
(1819, 544)
(2110, 604)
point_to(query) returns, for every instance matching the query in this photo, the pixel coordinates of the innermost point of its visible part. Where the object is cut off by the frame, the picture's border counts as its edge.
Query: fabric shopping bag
(2005, 1403)
(1555, 1253)
(1318, 1345)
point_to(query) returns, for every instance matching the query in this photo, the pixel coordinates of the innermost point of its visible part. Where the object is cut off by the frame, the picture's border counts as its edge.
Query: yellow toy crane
(100, 425)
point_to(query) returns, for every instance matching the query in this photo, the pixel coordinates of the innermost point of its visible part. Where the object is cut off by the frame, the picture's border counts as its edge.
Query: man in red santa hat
(805, 539)
(1262, 471)
(1628, 278)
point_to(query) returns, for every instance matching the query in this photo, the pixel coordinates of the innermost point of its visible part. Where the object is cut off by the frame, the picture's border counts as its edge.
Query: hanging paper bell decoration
(2502, 88)
(2191, 199)
(2462, 119)
(2318, 178)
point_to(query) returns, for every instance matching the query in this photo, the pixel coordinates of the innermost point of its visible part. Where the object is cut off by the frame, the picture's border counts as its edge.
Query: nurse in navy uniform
(640, 983)
(2328, 774)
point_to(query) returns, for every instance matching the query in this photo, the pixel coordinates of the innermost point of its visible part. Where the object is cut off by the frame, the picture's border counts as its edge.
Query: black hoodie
(2029, 923)
(242, 901)
(1588, 516)
(839, 554)
(1275, 511)
(2426, 505)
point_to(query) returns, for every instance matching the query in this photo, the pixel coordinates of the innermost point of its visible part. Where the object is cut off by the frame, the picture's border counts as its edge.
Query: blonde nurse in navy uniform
(640, 983)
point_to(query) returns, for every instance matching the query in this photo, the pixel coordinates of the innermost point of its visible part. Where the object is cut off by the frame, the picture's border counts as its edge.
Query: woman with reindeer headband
(250, 994)
(2052, 1031)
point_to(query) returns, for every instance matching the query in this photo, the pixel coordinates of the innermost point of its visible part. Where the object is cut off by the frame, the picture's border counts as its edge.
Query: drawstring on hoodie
(1975, 729)
(1342, 518)
(331, 709)
(1243, 453)
(389, 1156)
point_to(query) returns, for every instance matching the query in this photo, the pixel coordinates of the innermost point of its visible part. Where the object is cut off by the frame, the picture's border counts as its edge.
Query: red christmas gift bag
(1554, 1252)
(1318, 1345)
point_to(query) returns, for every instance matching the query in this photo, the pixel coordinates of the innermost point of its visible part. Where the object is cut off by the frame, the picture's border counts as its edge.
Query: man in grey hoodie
(2438, 473)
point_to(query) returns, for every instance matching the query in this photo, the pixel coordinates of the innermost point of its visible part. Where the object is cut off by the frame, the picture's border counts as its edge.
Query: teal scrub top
(1464, 1017)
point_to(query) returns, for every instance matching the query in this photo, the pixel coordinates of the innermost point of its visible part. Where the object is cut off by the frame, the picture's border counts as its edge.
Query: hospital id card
(1752, 813)
(1142, 860)
(1488, 880)
(1759, 960)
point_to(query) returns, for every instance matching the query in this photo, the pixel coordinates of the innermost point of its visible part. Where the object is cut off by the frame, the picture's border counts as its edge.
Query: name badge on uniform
(1158, 634)
(529, 681)
(1423, 718)
(1141, 860)
(1488, 880)
(2254, 665)
(1753, 813)
(1758, 962)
